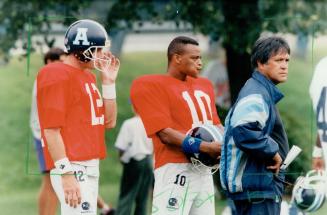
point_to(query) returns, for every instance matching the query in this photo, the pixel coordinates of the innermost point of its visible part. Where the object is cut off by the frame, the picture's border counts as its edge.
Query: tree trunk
(243, 27)
(238, 68)
(117, 41)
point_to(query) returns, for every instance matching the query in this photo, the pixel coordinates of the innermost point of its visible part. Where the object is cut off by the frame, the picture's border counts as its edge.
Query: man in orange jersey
(73, 115)
(169, 106)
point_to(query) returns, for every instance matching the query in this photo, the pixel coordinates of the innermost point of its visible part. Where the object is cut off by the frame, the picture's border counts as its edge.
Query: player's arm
(317, 159)
(57, 151)
(109, 74)
(172, 137)
(110, 106)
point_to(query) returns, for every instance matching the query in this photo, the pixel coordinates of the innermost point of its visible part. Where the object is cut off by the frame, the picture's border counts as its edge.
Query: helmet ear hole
(81, 57)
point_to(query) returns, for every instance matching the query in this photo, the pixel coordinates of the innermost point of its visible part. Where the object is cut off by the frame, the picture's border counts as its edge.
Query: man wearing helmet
(170, 105)
(255, 141)
(73, 115)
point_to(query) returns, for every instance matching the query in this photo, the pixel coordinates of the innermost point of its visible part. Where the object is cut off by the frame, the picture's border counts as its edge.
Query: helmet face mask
(96, 54)
(309, 191)
(86, 39)
(202, 162)
(202, 168)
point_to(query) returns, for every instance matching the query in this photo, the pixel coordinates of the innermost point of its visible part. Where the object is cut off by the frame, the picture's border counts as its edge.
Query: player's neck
(173, 72)
(72, 61)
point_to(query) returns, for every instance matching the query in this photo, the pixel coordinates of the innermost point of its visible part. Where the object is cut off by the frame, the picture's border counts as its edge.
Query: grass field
(19, 171)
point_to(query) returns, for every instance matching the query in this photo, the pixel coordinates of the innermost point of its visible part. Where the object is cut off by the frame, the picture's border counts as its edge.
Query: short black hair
(53, 54)
(176, 46)
(266, 47)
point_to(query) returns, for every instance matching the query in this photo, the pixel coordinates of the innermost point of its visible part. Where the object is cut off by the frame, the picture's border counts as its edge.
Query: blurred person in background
(135, 153)
(216, 72)
(318, 94)
(47, 199)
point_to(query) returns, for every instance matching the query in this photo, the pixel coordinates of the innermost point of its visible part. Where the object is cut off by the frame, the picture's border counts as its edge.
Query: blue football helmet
(85, 38)
(309, 191)
(208, 133)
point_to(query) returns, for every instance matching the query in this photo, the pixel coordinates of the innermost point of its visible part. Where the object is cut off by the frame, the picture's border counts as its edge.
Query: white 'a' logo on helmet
(81, 36)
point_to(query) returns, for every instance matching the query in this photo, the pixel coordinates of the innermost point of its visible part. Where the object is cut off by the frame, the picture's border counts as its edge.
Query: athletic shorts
(88, 178)
(179, 189)
(40, 155)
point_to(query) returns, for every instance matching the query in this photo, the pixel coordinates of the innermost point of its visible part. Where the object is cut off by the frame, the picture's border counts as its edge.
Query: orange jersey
(166, 102)
(68, 98)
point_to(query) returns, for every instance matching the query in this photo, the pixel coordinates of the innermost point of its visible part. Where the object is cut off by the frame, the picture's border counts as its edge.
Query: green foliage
(218, 19)
(238, 24)
(20, 19)
(225, 19)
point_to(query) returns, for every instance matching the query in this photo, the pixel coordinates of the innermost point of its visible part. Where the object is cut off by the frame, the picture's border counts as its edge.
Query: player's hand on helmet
(277, 162)
(109, 67)
(318, 163)
(213, 149)
(71, 189)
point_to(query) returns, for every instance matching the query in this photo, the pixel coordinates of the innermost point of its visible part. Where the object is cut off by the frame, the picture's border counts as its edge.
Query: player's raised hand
(108, 65)
(71, 189)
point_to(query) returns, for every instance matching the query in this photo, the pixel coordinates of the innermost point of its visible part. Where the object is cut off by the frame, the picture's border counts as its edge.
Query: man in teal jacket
(255, 141)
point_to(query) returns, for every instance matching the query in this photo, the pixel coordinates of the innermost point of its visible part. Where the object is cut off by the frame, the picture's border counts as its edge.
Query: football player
(318, 88)
(169, 105)
(73, 115)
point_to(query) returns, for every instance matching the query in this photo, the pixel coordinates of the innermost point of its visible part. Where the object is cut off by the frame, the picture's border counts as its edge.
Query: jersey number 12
(96, 120)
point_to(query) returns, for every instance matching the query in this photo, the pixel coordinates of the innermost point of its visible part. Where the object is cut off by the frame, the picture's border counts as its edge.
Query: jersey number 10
(198, 94)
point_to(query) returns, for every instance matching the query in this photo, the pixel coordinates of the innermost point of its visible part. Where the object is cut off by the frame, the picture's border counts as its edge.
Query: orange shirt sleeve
(52, 97)
(151, 102)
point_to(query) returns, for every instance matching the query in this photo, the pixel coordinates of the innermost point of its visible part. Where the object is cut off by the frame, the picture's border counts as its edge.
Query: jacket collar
(274, 92)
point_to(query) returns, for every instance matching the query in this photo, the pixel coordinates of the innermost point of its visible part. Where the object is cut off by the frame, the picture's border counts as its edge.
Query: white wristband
(109, 91)
(63, 166)
(317, 152)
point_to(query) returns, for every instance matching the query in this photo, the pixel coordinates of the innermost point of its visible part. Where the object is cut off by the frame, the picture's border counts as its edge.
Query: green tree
(237, 23)
(20, 18)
